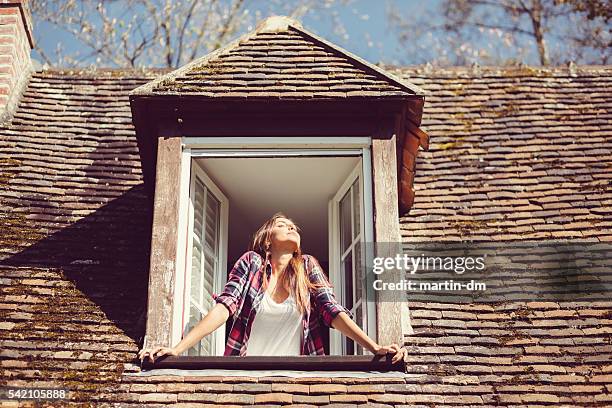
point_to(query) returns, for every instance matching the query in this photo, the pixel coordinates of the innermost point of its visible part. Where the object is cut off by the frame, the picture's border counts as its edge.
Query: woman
(279, 314)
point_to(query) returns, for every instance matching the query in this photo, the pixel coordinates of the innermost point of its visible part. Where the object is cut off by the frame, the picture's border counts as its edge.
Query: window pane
(197, 253)
(350, 346)
(196, 271)
(203, 347)
(356, 213)
(198, 205)
(345, 221)
(204, 262)
(347, 267)
(359, 281)
(212, 220)
(359, 321)
(209, 273)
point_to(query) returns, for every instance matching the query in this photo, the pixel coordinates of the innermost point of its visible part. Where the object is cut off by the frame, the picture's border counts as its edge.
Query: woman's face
(284, 235)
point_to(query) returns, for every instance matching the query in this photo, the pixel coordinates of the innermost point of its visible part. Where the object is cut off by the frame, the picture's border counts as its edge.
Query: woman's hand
(399, 352)
(156, 352)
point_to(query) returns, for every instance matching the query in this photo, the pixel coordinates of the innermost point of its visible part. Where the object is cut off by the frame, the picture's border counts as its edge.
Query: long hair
(294, 276)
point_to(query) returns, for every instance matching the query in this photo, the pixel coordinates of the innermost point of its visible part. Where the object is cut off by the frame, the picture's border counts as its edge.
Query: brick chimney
(16, 42)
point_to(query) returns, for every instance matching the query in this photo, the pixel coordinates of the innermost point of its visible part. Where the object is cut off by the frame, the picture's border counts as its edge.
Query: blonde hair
(294, 276)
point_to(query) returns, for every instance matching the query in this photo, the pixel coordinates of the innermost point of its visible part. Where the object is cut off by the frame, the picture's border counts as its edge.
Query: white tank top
(276, 329)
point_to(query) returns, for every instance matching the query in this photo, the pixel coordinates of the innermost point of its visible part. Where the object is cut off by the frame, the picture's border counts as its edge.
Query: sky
(366, 33)
(364, 30)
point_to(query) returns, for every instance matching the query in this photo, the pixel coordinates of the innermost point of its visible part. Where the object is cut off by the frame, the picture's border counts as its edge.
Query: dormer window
(256, 128)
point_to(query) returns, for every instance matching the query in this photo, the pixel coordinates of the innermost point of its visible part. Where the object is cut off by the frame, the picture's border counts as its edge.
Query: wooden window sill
(303, 363)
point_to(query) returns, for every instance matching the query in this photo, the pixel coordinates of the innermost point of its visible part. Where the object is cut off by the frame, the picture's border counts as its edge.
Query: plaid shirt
(243, 293)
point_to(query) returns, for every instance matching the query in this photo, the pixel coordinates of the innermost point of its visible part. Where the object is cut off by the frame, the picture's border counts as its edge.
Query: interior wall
(240, 232)
(300, 187)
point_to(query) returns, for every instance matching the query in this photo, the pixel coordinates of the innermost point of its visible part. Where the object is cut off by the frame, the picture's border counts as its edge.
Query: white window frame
(362, 172)
(261, 147)
(186, 217)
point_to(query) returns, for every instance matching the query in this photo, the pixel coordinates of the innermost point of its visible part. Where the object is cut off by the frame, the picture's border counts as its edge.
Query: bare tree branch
(136, 33)
(186, 21)
(501, 31)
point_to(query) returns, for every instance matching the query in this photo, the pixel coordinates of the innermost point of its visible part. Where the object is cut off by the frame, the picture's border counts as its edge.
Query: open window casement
(309, 108)
(205, 261)
(350, 226)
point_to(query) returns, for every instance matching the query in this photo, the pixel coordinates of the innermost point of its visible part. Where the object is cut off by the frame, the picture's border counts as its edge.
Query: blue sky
(367, 32)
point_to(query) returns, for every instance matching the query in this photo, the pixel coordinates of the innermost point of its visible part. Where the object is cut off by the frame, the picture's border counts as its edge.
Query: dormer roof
(280, 59)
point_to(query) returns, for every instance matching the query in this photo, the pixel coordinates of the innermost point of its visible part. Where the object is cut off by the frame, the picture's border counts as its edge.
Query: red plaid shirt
(243, 293)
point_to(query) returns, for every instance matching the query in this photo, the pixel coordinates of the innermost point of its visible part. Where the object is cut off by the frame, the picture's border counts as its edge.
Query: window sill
(303, 363)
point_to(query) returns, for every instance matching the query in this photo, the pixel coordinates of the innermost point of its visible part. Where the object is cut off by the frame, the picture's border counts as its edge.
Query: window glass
(347, 267)
(204, 261)
(351, 259)
(356, 210)
(202, 348)
(345, 221)
(359, 321)
(212, 222)
(359, 281)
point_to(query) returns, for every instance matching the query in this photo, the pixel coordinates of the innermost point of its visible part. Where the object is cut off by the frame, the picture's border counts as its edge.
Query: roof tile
(269, 65)
(69, 164)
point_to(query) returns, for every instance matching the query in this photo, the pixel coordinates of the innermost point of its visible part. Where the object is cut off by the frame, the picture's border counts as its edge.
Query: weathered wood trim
(386, 230)
(164, 241)
(407, 170)
(419, 134)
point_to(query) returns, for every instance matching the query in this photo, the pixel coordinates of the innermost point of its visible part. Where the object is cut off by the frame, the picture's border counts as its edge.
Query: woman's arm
(349, 328)
(226, 306)
(343, 323)
(211, 322)
(340, 318)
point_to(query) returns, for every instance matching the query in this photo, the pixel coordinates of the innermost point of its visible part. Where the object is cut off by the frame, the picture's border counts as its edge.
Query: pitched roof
(531, 146)
(515, 153)
(280, 59)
